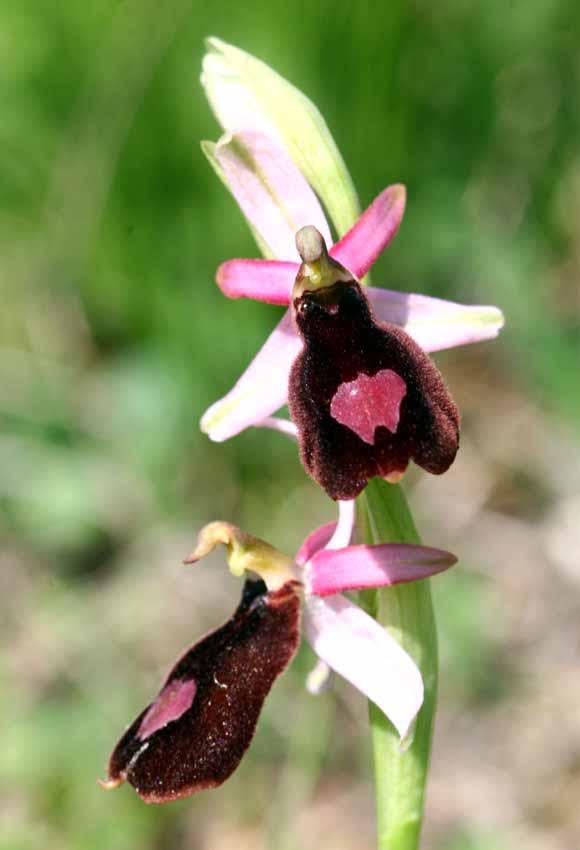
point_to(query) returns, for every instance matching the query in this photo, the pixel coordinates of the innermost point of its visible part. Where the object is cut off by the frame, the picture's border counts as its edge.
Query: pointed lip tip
(110, 784)
(192, 558)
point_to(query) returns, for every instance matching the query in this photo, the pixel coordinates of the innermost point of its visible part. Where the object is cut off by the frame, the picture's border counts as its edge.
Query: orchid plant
(351, 361)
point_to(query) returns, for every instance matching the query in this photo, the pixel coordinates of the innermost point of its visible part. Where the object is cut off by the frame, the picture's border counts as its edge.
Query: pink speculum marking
(172, 702)
(368, 402)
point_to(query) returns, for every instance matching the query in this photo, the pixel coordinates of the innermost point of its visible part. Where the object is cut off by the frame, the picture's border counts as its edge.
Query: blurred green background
(114, 340)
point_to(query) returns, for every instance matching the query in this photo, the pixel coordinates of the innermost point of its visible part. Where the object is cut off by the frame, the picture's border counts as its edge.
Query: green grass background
(114, 339)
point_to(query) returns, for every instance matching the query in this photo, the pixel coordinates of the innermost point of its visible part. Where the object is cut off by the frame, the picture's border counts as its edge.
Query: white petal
(434, 323)
(261, 390)
(344, 528)
(365, 654)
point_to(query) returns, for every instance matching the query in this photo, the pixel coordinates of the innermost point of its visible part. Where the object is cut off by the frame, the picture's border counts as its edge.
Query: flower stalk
(407, 612)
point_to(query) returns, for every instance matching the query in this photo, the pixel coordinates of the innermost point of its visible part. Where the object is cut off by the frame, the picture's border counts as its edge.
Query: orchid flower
(195, 732)
(277, 202)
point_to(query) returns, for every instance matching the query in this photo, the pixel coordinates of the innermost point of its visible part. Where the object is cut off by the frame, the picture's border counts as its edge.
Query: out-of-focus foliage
(114, 339)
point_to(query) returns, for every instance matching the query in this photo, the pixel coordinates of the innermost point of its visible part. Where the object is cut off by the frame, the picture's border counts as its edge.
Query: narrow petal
(357, 648)
(343, 532)
(270, 281)
(355, 567)
(246, 93)
(371, 234)
(261, 390)
(316, 540)
(434, 323)
(271, 191)
(278, 423)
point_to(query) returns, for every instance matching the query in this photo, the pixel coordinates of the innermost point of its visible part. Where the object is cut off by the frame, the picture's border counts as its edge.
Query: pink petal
(261, 390)
(316, 540)
(271, 191)
(264, 280)
(356, 647)
(371, 234)
(355, 567)
(434, 323)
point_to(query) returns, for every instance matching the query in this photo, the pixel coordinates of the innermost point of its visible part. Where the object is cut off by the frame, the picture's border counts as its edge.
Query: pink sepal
(263, 280)
(332, 571)
(375, 229)
(316, 540)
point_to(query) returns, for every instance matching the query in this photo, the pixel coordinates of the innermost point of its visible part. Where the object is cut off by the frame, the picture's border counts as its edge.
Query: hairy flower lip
(195, 732)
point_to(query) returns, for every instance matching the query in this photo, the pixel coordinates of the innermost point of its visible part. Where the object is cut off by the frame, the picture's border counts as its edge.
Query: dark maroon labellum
(194, 734)
(365, 397)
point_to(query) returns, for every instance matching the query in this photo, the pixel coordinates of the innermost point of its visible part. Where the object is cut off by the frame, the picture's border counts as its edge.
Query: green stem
(407, 611)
